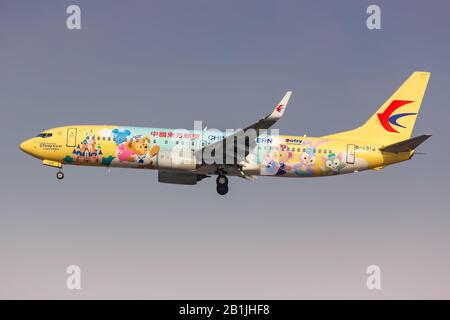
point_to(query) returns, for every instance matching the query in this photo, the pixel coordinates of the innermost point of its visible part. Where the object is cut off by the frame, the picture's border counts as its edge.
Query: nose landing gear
(54, 164)
(60, 175)
(222, 184)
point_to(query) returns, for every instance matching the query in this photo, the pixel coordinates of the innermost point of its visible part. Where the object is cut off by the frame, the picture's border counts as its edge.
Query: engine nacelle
(182, 159)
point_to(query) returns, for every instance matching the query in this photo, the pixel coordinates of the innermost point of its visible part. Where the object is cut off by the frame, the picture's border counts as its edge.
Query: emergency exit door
(71, 137)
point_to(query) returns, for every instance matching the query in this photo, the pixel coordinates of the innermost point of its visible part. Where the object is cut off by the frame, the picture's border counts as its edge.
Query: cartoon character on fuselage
(334, 164)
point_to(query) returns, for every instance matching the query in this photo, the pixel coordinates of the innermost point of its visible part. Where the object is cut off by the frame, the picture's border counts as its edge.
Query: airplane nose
(27, 146)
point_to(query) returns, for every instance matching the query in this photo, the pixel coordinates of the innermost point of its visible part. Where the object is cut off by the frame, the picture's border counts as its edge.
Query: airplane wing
(261, 125)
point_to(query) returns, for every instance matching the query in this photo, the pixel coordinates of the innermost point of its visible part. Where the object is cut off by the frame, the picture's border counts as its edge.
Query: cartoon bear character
(120, 137)
(283, 157)
(274, 163)
(333, 163)
(142, 153)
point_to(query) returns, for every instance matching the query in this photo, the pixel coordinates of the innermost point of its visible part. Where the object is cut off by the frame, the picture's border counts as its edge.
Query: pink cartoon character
(125, 154)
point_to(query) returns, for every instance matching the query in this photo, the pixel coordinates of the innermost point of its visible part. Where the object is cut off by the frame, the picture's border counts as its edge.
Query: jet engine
(182, 159)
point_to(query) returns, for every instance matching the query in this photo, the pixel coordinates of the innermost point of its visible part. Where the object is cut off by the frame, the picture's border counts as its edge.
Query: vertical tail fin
(394, 121)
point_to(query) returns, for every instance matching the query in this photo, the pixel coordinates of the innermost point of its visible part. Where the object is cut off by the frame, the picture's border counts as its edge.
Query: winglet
(279, 109)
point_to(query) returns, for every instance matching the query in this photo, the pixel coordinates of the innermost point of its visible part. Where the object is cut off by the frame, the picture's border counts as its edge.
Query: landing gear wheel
(59, 175)
(222, 180)
(222, 185)
(222, 189)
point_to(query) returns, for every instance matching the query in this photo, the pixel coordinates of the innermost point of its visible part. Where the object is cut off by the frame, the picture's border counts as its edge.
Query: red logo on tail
(386, 119)
(280, 108)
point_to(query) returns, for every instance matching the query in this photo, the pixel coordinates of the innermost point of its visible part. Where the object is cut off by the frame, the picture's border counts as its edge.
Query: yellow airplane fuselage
(133, 147)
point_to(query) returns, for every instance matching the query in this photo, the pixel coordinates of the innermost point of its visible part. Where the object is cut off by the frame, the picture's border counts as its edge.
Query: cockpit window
(44, 135)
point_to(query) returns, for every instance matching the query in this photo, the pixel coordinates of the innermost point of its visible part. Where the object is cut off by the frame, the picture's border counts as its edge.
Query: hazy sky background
(168, 63)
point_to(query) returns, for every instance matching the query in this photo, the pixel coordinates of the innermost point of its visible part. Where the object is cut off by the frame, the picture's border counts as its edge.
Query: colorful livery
(179, 155)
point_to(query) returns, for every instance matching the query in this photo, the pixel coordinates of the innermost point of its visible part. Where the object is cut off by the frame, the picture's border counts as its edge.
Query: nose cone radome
(27, 146)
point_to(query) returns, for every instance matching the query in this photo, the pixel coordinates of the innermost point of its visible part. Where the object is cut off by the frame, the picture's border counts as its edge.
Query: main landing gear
(222, 184)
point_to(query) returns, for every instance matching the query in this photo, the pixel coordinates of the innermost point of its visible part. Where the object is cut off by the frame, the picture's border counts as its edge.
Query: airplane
(188, 156)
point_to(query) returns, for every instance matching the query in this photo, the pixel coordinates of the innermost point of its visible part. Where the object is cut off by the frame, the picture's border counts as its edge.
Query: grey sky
(168, 63)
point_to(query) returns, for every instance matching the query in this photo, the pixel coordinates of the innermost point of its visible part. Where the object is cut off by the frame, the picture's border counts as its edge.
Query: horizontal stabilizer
(406, 145)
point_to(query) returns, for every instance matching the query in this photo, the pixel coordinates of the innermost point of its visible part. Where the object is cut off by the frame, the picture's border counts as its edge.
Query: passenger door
(350, 154)
(71, 137)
